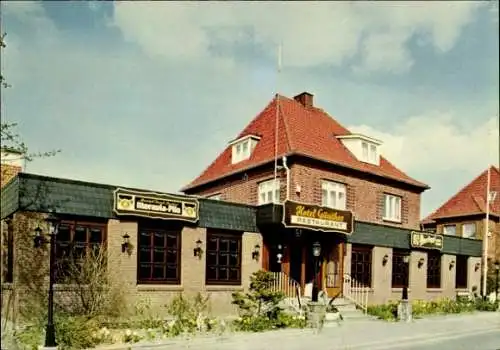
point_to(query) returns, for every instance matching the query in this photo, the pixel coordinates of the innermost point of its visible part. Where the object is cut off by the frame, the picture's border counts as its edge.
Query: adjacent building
(464, 214)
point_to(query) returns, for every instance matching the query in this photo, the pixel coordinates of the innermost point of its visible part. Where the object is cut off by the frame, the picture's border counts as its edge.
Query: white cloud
(312, 33)
(435, 143)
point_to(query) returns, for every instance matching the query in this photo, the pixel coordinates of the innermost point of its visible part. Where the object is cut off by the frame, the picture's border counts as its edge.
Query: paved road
(482, 341)
(471, 332)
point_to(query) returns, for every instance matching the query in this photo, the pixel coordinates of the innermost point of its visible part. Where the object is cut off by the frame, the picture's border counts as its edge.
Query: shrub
(71, 333)
(388, 311)
(259, 307)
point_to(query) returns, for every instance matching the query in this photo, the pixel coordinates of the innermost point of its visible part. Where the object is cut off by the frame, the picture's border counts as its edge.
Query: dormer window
(364, 148)
(243, 147)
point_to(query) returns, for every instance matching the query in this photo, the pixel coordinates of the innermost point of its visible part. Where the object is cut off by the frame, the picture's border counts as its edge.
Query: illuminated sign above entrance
(317, 218)
(426, 240)
(155, 205)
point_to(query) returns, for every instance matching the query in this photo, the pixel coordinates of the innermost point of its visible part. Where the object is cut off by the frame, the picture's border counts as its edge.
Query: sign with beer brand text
(155, 205)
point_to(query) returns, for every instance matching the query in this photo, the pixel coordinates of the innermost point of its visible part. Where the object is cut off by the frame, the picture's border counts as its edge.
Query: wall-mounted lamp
(476, 267)
(39, 238)
(298, 232)
(126, 243)
(256, 252)
(279, 255)
(385, 259)
(452, 264)
(198, 251)
(421, 262)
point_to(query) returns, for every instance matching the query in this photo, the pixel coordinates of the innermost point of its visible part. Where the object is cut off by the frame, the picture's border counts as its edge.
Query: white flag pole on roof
(486, 232)
(277, 122)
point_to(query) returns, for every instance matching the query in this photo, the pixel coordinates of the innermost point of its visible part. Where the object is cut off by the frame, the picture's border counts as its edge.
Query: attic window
(370, 154)
(364, 148)
(243, 147)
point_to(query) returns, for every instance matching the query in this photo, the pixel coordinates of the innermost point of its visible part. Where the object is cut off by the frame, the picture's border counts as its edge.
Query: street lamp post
(404, 307)
(50, 332)
(406, 260)
(316, 250)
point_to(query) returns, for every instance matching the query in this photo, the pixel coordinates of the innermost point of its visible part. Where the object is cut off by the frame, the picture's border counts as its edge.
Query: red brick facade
(364, 195)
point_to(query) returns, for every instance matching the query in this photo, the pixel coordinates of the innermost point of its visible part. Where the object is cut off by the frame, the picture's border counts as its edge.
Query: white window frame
(269, 192)
(333, 195)
(448, 233)
(392, 208)
(241, 151)
(369, 152)
(365, 150)
(469, 233)
(373, 154)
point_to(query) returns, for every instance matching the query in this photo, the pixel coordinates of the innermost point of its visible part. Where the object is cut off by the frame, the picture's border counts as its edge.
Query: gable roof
(307, 131)
(471, 199)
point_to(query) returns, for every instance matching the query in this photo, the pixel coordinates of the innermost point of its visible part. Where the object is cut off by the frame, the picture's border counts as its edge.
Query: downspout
(287, 178)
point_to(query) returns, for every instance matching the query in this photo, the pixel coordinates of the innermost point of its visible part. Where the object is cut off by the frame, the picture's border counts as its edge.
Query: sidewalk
(359, 335)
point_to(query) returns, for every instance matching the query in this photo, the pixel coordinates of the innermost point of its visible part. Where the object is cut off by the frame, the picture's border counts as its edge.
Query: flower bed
(422, 308)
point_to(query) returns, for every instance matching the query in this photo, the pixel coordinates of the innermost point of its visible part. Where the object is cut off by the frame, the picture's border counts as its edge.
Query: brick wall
(7, 172)
(192, 269)
(365, 197)
(243, 189)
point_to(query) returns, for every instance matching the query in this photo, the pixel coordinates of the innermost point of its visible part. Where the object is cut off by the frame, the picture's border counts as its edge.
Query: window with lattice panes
(75, 241)
(434, 270)
(469, 230)
(392, 208)
(450, 230)
(223, 258)
(361, 264)
(333, 195)
(159, 256)
(269, 192)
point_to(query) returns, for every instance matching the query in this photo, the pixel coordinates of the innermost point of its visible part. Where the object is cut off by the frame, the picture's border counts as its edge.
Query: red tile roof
(471, 199)
(303, 131)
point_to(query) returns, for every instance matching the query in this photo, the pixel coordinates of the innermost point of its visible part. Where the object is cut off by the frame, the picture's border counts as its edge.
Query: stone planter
(315, 314)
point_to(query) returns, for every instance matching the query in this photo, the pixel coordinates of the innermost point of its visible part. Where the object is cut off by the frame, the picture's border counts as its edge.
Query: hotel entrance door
(333, 269)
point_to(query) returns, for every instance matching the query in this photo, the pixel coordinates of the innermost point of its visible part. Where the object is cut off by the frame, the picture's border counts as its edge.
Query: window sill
(393, 221)
(362, 289)
(399, 290)
(224, 288)
(435, 290)
(159, 288)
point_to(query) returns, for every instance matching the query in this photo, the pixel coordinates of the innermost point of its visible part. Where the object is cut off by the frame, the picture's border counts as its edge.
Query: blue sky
(147, 94)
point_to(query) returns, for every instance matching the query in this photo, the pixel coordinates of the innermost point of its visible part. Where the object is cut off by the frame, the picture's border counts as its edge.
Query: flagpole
(277, 117)
(486, 232)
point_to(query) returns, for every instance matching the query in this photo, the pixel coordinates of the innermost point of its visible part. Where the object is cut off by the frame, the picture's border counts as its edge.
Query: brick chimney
(305, 98)
(11, 163)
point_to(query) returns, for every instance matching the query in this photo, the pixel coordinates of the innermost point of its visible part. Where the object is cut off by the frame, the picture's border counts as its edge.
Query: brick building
(332, 187)
(373, 208)
(464, 214)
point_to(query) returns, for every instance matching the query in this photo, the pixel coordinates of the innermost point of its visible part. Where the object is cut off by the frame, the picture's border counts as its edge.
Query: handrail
(282, 283)
(356, 292)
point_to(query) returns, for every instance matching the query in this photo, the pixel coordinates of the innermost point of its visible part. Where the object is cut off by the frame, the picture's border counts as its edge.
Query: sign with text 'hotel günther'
(426, 240)
(317, 218)
(155, 205)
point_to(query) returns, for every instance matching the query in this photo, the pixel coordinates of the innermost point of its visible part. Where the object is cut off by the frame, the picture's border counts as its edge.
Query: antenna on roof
(277, 116)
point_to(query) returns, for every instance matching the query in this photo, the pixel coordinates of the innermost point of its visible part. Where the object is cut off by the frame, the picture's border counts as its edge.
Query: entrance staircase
(351, 305)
